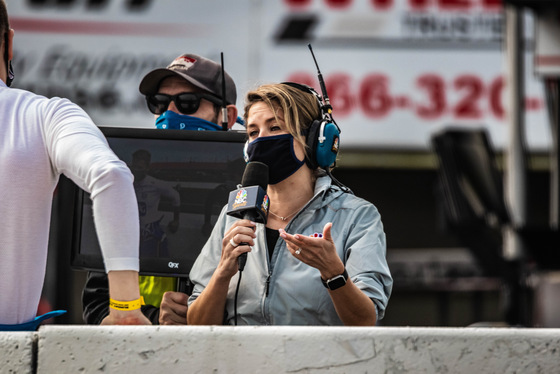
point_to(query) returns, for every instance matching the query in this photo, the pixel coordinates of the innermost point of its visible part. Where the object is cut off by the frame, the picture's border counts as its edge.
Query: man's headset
(322, 137)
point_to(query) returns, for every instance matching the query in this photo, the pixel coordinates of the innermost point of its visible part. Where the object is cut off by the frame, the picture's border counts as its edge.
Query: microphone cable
(235, 299)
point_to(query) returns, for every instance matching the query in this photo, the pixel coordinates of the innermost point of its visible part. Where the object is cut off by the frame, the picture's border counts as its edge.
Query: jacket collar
(325, 190)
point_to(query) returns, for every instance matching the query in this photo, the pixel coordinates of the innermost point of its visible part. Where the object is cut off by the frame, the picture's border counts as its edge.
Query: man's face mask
(277, 152)
(170, 120)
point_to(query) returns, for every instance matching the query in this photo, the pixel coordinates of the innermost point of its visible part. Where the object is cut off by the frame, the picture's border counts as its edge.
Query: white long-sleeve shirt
(40, 139)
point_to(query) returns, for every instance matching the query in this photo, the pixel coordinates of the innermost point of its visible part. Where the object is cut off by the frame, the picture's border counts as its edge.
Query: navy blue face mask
(170, 120)
(277, 152)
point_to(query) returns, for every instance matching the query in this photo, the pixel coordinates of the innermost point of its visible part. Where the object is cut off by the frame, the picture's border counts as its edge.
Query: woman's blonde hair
(299, 108)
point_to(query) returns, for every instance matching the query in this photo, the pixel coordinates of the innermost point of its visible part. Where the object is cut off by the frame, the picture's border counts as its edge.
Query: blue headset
(322, 136)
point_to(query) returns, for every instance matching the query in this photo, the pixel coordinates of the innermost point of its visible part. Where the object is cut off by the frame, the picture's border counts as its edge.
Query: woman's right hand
(237, 240)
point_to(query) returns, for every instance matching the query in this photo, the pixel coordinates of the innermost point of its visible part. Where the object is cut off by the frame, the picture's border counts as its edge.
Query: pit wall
(283, 349)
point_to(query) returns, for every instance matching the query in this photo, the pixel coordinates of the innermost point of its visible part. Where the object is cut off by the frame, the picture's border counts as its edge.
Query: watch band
(336, 281)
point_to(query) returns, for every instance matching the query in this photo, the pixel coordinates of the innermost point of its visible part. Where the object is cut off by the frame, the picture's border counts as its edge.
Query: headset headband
(307, 89)
(323, 108)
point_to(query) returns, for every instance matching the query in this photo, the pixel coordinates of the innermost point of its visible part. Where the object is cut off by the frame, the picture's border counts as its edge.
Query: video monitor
(182, 181)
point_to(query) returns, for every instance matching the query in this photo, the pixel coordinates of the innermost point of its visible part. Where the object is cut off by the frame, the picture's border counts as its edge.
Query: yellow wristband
(127, 305)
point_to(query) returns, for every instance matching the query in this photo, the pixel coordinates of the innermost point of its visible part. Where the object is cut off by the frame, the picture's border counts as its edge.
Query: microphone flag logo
(241, 197)
(265, 203)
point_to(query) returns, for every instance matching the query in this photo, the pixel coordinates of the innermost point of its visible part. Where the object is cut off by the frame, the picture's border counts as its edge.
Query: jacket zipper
(268, 282)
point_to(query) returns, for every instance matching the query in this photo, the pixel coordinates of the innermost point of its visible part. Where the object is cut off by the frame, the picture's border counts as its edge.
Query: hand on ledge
(129, 317)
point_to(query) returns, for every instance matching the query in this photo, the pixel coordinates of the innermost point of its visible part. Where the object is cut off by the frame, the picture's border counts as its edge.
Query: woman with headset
(320, 257)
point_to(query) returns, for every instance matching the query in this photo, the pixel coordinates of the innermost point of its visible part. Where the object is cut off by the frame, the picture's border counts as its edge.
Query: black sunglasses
(186, 102)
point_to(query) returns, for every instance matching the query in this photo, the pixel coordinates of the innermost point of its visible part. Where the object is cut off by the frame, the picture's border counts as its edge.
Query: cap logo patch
(182, 62)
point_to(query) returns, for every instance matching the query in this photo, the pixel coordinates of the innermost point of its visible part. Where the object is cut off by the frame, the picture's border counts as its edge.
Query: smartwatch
(336, 281)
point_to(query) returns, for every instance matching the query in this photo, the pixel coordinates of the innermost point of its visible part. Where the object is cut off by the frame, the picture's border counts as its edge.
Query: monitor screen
(182, 181)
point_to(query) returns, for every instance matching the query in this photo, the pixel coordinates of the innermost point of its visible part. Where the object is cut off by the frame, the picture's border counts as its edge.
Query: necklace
(283, 218)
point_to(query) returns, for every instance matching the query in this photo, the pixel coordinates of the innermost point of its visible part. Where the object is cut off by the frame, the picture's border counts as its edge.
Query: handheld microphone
(250, 200)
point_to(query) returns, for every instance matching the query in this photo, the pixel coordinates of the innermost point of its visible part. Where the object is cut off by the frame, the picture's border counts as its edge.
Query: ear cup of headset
(323, 141)
(327, 145)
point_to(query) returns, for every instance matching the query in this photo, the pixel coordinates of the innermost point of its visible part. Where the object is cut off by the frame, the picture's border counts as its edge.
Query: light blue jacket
(286, 291)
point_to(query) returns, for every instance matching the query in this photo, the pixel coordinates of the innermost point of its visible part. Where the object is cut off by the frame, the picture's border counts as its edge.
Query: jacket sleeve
(209, 257)
(95, 301)
(366, 251)
(78, 149)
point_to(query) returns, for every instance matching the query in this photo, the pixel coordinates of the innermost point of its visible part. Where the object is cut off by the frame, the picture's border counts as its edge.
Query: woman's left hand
(316, 251)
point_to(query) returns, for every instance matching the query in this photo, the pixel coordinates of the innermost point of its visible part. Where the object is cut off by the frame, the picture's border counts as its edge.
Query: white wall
(16, 352)
(224, 349)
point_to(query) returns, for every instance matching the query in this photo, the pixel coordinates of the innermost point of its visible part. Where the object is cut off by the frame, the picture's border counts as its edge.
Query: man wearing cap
(186, 95)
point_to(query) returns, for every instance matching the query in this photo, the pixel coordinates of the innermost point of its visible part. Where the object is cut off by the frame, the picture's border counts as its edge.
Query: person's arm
(123, 286)
(78, 149)
(353, 307)
(208, 308)
(95, 300)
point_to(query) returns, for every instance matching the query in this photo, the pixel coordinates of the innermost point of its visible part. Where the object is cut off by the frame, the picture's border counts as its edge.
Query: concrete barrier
(17, 352)
(283, 349)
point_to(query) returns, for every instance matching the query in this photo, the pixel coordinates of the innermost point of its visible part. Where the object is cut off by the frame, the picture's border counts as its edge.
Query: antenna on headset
(327, 108)
(224, 103)
(327, 104)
